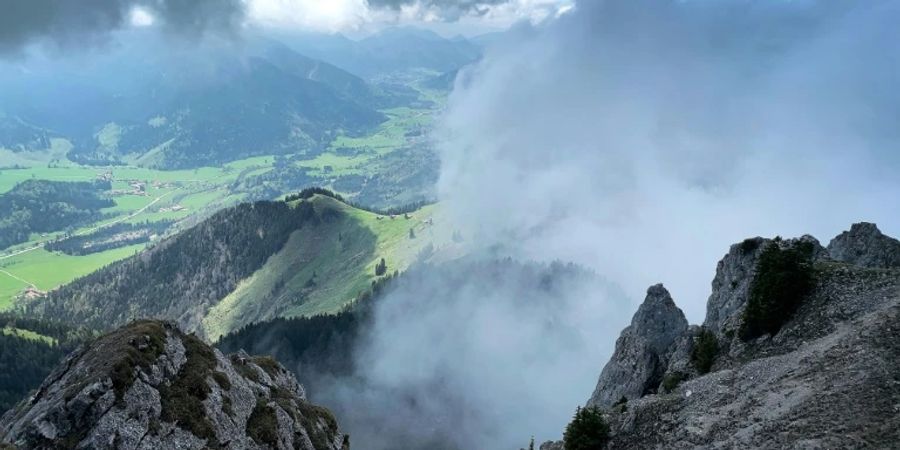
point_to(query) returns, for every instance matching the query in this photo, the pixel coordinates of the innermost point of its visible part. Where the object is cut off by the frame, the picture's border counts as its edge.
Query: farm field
(44, 270)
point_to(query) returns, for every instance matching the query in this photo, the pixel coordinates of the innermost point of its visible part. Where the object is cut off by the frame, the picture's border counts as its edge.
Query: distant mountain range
(204, 106)
(19, 136)
(390, 51)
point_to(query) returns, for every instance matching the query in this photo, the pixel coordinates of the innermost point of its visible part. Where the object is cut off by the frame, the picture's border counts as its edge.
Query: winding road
(87, 231)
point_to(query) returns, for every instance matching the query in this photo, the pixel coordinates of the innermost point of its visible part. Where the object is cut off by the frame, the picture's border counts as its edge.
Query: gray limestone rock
(864, 245)
(149, 386)
(642, 350)
(827, 379)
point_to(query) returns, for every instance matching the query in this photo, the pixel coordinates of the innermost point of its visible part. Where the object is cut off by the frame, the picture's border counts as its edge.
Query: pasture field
(46, 270)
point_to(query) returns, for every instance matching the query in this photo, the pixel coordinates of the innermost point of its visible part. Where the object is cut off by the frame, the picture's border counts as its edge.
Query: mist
(642, 138)
(475, 353)
(638, 139)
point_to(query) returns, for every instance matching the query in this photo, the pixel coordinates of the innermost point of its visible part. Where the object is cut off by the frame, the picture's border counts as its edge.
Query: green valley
(370, 168)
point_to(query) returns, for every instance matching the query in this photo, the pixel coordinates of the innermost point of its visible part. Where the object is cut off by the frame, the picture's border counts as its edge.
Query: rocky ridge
(864, 245)
(149, 386)
(829, 377)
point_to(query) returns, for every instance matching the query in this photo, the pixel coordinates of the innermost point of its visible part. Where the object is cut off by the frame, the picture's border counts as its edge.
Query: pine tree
(587, 431)
(380, 268)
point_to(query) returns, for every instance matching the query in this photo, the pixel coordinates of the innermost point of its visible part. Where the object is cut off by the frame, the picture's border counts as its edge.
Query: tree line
(40, 206)
(24, 362)
(114, 236)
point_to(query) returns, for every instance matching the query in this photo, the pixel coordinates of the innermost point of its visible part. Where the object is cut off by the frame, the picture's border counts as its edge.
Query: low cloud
(477, 355)
(641, 138)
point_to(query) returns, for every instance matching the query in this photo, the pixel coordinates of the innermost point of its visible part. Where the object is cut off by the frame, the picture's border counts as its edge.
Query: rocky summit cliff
(149, 386)
(800, 348)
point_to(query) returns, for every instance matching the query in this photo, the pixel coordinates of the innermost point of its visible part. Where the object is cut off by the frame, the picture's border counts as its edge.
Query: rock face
(829, 377)
(641, 354)
(150, 386)
(734, 275)
(731, 286)
(865, 246)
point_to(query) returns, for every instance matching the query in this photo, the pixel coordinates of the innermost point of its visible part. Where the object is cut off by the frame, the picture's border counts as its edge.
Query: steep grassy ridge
(324, 267)
(253, 262)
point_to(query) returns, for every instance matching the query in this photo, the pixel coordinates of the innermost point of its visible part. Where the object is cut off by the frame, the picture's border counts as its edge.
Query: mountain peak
(865, 245)
(658, 320)
(638, 361)
(148, 385)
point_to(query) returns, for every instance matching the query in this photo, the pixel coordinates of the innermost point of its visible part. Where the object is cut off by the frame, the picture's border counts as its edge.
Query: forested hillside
(39, 206)
(259, 109)
(256, 261)
(316, 346)
(29, 349)
(184, 275)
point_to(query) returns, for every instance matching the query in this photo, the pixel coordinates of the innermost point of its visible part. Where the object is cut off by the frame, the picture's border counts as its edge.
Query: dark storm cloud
(70, 23)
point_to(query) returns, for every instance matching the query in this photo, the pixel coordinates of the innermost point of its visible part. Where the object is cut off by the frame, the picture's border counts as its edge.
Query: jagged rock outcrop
(150, 386)
(828, 378)
(865, 246)
(640, 358)
(734, 275)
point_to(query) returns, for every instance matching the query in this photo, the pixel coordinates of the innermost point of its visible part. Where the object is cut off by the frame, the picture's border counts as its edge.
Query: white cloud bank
(641, 138)
(356, 15)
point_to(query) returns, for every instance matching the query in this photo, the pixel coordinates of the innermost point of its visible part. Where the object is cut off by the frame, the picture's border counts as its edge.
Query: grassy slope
(27, 334)
(57, 151)
(339, 257)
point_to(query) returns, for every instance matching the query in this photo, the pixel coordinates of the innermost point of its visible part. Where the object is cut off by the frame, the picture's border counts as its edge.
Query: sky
(67, 25)
(361, 16)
